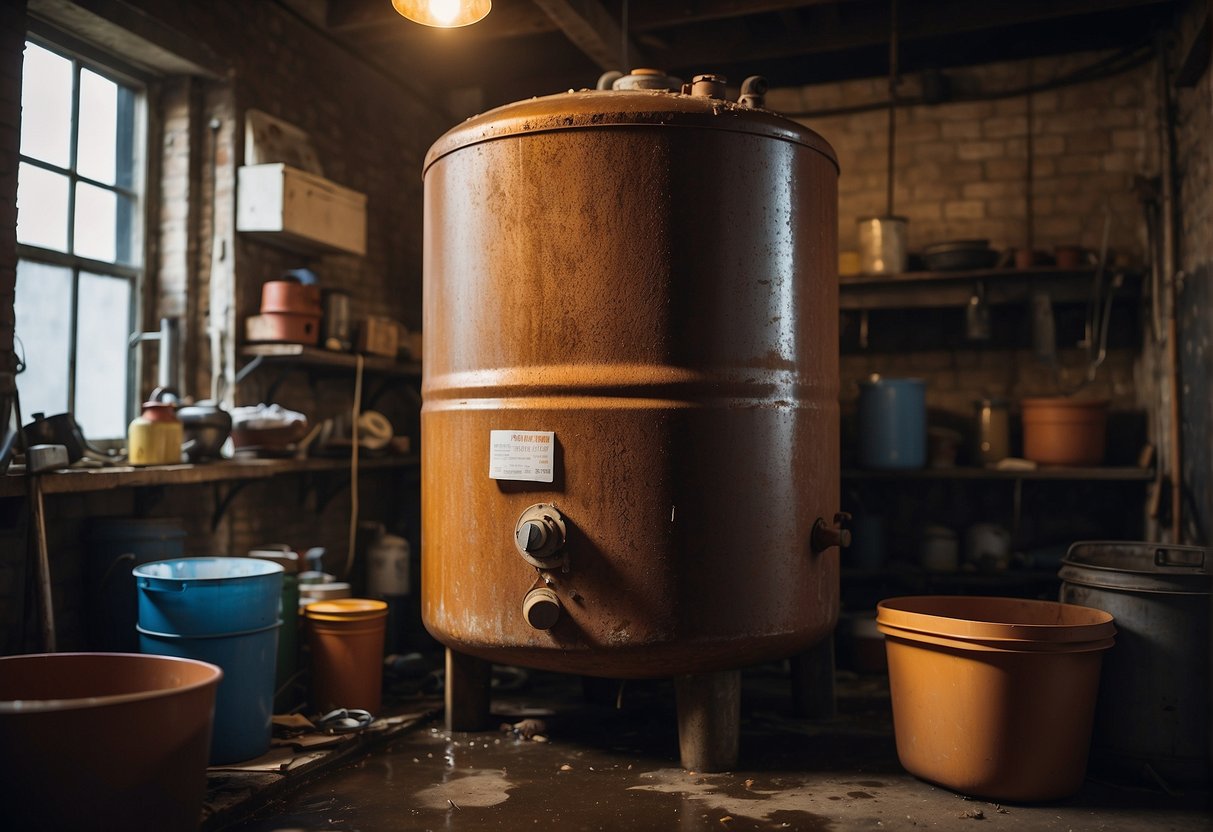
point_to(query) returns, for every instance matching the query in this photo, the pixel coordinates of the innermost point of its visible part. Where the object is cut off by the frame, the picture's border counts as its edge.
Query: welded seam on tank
(625, 385)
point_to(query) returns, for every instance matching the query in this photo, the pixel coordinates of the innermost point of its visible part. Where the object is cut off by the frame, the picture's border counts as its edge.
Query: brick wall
(960, 173)
(1194, 160)
(370, 135)
(961, 168)
(12, 46)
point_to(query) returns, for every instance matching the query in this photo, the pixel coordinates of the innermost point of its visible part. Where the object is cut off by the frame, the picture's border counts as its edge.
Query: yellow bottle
(155, 436)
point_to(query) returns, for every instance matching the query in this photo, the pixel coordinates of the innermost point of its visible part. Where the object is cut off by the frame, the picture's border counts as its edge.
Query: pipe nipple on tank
(541, 608)
(709, 86)
(826, 536)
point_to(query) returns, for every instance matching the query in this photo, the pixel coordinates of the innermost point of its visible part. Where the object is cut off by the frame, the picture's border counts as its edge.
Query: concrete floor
(604, 767)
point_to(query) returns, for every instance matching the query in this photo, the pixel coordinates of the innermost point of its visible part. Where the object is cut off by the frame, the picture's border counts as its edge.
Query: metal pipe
(170, 351)
(1171, 279)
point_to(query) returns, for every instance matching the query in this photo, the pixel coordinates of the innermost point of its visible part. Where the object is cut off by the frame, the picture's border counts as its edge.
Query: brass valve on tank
(539, 535)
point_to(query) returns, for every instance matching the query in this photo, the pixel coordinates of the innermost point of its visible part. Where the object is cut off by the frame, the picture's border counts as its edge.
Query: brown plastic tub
(994, 697)
(1063, 431)
(346, 637)
(104, 741)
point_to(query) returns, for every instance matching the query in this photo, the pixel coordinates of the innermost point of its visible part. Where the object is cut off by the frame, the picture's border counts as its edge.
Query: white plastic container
(388, 567)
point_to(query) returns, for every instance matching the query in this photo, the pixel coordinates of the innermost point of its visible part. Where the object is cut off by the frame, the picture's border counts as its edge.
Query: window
(79, 237)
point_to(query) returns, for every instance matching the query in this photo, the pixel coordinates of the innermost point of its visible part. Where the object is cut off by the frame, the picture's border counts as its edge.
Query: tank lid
(594, 109)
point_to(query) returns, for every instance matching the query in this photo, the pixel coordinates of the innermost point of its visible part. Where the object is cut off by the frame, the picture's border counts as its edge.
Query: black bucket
(115, 546)
(1152, 719)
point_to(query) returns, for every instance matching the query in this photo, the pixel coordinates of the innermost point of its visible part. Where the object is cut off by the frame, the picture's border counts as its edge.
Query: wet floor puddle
(432, 780)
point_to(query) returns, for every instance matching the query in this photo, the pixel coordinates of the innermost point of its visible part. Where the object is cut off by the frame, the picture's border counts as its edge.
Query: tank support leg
(467, 692)
(813, 681)
(709, 719)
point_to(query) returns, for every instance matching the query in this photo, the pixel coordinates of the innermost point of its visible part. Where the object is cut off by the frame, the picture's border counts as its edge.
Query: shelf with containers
(911, 525)
(935, 289)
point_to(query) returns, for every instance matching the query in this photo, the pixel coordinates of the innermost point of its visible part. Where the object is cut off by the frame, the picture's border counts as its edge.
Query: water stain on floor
(617, 769)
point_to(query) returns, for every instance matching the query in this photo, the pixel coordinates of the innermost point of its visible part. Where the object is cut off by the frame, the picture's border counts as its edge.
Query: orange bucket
(994, 697)
(346, 640)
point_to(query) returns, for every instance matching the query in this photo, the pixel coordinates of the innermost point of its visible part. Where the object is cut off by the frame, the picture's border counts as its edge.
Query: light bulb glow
(446, 14)
(444, 11)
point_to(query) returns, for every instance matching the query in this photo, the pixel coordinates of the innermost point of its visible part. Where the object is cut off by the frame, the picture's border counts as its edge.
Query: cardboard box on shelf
(378, 336)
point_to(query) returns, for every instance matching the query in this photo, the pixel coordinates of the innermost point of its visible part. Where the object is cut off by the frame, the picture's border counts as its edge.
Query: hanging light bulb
(446, 14)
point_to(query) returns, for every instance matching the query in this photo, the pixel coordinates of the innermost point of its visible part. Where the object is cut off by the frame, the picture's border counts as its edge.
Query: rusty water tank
(630, 420)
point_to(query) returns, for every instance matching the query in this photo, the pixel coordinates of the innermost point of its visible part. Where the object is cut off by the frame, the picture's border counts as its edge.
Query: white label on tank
(522, 455)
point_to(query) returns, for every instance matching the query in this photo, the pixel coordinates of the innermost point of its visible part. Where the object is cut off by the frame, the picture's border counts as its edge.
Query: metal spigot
(826, 537)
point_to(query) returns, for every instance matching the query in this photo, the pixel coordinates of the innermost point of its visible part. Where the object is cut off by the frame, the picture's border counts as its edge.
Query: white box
(299, 210)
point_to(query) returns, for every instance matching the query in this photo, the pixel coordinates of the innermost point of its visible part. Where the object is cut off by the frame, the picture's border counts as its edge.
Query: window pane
(96, 144)
(46, 106)
(101, 354)
(41, 207)
(44, 308)
(127, 141)
(96, 222)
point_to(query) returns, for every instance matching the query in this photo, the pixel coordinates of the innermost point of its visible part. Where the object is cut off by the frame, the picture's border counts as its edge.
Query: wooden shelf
(910, 290)
(298, 355)
(1099, 473)
(82, 480)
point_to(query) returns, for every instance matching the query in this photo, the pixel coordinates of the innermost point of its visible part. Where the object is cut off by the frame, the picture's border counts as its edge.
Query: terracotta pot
(1070, 257)
(291, 297)
(994, 697)
(1062, 431)
(283, 327)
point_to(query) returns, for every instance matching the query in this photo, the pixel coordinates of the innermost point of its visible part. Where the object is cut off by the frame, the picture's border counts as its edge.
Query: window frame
(136, 274)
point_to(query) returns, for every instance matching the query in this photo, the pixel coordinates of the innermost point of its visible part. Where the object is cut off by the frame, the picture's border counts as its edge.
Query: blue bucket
(892, 423)
(208, 596)
(244, 703)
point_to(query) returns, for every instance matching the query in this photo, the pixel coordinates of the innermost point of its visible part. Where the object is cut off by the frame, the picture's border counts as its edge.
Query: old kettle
(205, 427)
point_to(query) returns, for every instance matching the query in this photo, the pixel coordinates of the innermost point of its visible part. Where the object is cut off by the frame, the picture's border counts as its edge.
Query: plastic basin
(994, 697)
(104, 741)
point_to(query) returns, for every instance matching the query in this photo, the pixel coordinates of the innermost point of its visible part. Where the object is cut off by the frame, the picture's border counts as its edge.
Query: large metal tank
(630, 420)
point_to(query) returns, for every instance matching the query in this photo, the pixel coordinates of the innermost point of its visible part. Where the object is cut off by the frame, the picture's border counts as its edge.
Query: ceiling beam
(855, 25)
(648, 15)
(588, 25)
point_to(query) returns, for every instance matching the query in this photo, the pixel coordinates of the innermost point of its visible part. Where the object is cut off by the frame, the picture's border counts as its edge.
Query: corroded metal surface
(652, 278)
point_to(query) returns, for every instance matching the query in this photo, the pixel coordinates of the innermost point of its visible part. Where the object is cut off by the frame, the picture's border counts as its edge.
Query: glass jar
(993, 430)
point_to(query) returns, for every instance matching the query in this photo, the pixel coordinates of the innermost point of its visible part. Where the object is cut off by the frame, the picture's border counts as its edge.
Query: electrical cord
(1106, 67)
(356, 412)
